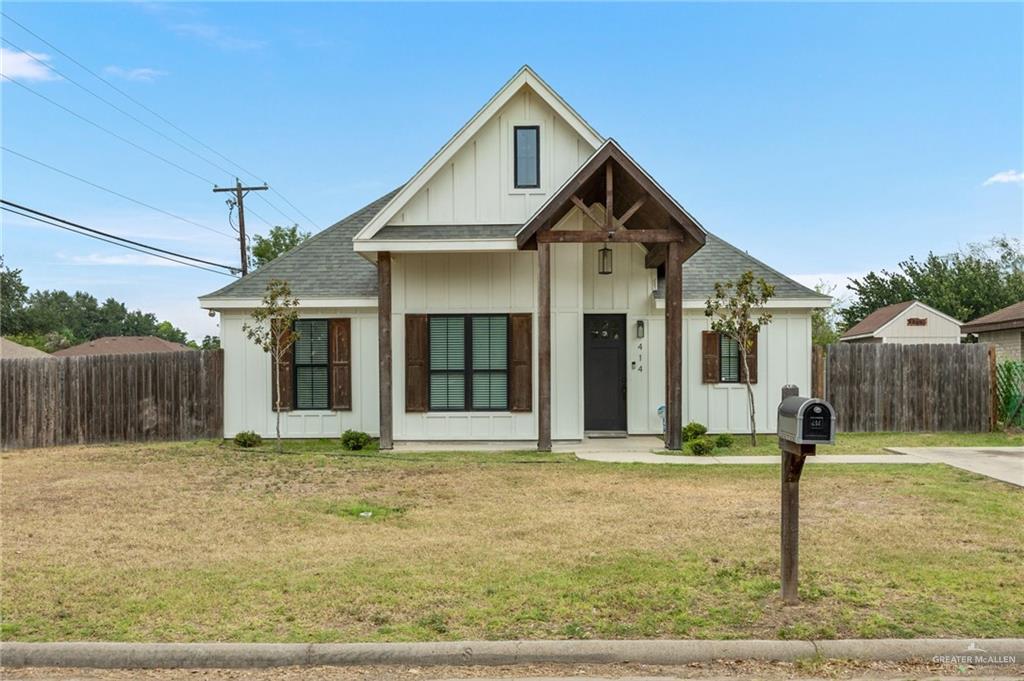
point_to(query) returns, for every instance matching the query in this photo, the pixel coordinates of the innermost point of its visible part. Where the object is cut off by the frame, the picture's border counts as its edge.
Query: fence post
(993, 384)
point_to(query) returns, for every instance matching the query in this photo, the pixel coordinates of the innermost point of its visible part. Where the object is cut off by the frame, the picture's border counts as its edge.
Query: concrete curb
(657, 652)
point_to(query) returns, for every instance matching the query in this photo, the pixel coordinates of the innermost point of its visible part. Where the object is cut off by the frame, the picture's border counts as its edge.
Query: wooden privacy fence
(107, 398)
(894, 387)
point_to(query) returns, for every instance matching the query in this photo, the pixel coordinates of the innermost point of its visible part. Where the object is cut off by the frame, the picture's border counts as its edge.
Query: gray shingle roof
(323, 266)
(402, 232)
(719, 260)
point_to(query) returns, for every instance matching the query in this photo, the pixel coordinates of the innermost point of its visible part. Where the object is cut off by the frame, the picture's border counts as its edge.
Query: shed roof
(11, 350)
(877, 319)
(1010, 317)
(121, 345)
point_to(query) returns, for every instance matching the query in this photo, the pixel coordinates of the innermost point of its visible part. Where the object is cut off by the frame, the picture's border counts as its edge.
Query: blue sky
(827, 140)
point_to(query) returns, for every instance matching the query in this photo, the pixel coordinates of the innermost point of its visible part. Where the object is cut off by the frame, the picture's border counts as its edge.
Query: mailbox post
(804, 423)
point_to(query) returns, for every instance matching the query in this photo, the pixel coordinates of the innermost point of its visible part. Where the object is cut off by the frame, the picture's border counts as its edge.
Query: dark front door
(604, 372)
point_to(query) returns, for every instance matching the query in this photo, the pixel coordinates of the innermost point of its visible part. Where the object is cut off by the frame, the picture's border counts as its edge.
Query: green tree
(278, 241)
(825, 320)
(982, 278)
(13, 296)
(737, 311)
(273, 330)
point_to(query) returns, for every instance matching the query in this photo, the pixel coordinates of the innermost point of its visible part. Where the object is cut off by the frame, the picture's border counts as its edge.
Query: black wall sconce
(604, 260)
(639, 328)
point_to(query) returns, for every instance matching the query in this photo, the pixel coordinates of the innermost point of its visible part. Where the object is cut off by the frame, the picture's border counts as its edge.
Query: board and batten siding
(247, 381)
(477, 186)
(468, 283)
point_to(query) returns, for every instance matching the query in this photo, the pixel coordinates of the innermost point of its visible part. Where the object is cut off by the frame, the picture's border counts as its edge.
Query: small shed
(910, 322)
(1003, 329)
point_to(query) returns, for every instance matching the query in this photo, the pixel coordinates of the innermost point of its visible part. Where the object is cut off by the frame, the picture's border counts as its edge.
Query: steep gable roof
(323, 266)
(524, 77)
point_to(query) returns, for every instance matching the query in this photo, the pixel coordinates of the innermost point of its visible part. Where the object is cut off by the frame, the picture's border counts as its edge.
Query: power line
(115, 106)
(111, 241)
(107, 130)
(116, 193)
(295, 208)
(151, 111)
(113, 236)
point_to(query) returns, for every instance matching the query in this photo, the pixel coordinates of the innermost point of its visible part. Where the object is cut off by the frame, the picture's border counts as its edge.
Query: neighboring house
(11, 350)
(121, 345)
(516, 288)
(1004, 329)
(910, 322)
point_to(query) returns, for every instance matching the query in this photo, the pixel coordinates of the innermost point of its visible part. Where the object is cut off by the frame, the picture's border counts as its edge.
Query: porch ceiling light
(604, 260)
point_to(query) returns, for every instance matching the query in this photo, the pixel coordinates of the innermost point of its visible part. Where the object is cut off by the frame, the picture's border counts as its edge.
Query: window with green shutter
(469, 362)
(311, 362)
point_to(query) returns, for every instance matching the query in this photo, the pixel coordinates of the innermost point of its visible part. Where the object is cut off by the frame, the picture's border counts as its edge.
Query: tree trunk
(750, 395)
(277, 402)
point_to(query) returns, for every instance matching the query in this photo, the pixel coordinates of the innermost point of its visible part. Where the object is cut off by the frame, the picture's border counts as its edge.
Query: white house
(910, 322)
(530, 282)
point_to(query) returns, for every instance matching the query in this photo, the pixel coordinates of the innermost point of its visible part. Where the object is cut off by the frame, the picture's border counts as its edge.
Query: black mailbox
(805, 420)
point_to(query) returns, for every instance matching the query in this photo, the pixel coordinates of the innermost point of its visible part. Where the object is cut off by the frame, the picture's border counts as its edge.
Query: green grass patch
(200, 541)
(868, 443)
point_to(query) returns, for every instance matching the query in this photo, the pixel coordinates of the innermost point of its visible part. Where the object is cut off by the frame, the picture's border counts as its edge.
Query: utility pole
(240, 192)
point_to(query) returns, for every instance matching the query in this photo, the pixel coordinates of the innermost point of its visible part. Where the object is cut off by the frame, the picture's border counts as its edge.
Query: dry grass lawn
(203, 541)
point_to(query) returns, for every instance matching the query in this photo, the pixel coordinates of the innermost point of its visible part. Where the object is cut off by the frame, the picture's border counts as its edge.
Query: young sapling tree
(737, 312)
(273, 330)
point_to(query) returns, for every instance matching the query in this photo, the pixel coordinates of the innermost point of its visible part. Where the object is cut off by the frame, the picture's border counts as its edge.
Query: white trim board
(775, 303)
(435, 245)
(250, 303)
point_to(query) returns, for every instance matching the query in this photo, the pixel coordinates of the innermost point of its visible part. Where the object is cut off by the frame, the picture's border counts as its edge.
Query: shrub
(247, 439)
(353, 440)
(693, 430)
(702, 446)
(723, 440)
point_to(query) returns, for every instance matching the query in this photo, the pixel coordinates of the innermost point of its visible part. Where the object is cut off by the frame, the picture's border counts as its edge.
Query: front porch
(579, 218)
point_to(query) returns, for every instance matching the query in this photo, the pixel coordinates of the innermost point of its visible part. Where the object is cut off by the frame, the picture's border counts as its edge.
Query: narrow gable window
(311, 364)
(527, 155)
(729, 359)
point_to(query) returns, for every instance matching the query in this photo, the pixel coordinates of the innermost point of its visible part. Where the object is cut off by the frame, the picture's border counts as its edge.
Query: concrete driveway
(1000, 463)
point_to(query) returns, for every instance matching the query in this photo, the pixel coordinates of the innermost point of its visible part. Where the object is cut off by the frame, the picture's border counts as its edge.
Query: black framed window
(728, 359)
(469, 362)
(527, 156)
(310, 356)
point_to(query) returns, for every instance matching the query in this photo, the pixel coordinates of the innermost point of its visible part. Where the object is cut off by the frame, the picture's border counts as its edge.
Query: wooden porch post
(544, 347)
(674, 346)
(384, 346)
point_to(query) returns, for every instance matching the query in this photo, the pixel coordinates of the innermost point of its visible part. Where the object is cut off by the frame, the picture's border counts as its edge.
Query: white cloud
(1005, 177)
(107, 260)
(143, 74)
(21, 65)
(216, 36)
